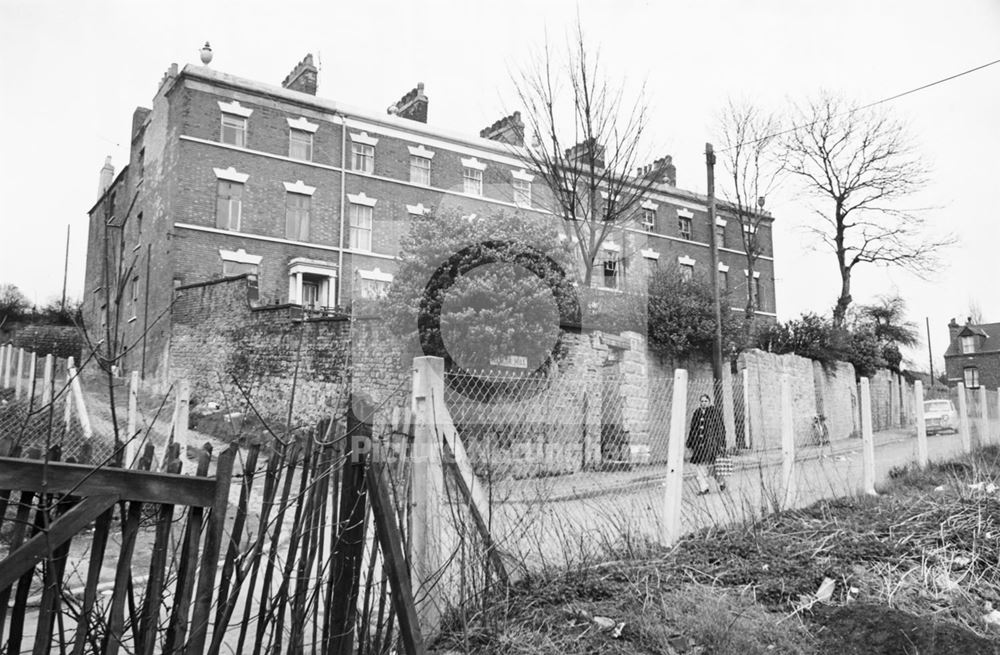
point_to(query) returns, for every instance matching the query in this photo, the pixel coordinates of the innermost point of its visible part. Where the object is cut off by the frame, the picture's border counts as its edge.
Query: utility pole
(62, 305)
(930, 355)
(714, 249)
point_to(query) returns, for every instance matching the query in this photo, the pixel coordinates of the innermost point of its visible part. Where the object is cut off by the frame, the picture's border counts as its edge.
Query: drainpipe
(343, 199)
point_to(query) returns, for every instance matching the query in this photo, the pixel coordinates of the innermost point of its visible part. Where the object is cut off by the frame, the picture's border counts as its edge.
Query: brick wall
(988, 365)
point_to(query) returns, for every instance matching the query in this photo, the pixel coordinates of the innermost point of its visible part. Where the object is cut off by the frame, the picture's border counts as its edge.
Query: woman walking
(707, 441)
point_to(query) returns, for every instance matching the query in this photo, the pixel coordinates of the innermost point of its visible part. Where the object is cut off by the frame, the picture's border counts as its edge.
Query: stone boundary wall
(764, 374)
(831, 390)
(221, 336)
(606, 384)
(61, 341)
(837, 399)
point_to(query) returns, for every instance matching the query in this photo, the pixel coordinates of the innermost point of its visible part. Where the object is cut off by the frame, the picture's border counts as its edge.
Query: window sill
(133, 319)
(137, 247)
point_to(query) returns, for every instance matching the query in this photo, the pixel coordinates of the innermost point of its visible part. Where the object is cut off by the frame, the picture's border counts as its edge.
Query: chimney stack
(953, 329)
(412, 106)
(303, 77)
(107, 176)
(509, 129)
(662, 169)
(583, 151)
(139, 117)
(666, 170)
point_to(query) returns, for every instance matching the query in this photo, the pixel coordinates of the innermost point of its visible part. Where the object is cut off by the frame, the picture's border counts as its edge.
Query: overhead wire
(869, 105)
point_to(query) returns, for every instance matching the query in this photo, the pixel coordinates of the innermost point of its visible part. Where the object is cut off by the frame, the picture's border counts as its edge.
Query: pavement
(567, 519)
(588, 484)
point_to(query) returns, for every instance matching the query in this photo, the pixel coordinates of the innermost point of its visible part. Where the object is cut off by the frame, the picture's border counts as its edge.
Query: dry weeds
(922, 558)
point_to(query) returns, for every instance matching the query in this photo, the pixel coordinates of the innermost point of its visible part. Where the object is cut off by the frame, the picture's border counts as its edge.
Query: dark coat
(707, 436)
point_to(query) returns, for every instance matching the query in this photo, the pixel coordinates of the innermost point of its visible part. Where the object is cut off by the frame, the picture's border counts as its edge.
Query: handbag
(723, 466)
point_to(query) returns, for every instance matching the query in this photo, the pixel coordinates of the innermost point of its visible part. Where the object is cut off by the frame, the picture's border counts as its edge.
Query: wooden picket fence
(211, 586)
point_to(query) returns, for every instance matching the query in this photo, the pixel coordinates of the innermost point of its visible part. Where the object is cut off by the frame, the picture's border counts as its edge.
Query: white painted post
(68, 397)
(998, 414)
(81, 407)
(20, 373)
(674, 485)
(747, 433)
(963, 420)
(787, 441)
(8, 354)
(131, 443)
(984, 418)
(47, 379)
(181, 411)
(428, 493)
(918, 407)
(867, 440)
(32, 371)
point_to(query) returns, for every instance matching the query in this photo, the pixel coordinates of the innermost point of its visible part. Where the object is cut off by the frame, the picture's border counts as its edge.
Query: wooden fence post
(20, 373)
(428, 494)
(81, 407)
(353, 508)
(32, 371)
(788, 441)
(131, 445)
(674, 485)
(918, 407)
(963, 420)
(867, 440)
(984, 418)
(47, 379)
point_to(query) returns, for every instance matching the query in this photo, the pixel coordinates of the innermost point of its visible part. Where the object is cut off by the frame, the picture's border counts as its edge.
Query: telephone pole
(62, 305)
(714, 249)
(930, 355)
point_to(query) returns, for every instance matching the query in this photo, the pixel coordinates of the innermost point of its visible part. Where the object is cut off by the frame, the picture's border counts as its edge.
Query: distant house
(973, 356)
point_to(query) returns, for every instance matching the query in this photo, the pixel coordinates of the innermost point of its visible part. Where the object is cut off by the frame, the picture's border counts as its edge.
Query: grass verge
(914, 571)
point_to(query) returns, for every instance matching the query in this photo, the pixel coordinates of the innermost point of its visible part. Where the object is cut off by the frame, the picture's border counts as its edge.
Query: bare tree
(749, 145)
(862, 162)
(586, 144)
(975, 312)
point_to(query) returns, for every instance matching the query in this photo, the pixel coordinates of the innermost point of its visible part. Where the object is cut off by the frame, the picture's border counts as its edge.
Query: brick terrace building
(230, 176)
(973, 356)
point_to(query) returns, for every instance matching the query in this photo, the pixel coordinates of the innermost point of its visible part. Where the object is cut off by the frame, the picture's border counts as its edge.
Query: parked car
(940, 415)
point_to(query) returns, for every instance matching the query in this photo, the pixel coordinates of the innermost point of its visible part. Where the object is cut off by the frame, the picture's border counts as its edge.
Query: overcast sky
(71, 74)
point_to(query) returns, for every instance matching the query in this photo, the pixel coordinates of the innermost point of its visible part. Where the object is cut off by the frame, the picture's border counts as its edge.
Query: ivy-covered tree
(482, 291)
(886, 320)
(681, 318)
